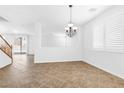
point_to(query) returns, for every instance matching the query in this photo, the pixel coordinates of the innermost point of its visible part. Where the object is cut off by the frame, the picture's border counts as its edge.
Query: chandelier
(70, 29)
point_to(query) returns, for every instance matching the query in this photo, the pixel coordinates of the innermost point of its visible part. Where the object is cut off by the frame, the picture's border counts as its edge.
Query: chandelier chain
(70, 14)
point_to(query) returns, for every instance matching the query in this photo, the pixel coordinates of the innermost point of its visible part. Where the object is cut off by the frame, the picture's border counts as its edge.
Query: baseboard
(101, 68)
(57, 61)
(5, 66)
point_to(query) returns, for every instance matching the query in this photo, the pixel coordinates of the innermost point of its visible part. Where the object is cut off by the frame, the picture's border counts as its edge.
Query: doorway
(20, 45)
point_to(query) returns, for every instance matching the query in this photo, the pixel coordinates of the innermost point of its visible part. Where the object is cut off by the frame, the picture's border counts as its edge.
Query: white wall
(4, 60)
(109, 61)
(52, 54)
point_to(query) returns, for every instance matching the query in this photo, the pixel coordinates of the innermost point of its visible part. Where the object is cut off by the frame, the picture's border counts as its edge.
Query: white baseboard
(51, 61)
(104, 69)
(5, 66)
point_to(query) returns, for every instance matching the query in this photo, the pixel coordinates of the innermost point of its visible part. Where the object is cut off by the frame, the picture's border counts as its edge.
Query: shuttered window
(109, 35)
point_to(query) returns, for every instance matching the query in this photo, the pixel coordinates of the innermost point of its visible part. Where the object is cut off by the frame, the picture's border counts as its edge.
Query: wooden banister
(6, 42)
(5, 47)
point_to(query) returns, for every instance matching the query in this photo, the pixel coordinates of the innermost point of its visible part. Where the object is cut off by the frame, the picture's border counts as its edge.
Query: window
(109, 36)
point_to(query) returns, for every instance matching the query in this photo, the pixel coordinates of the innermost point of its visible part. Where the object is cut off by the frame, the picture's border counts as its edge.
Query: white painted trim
(48, 61)
(108, 71)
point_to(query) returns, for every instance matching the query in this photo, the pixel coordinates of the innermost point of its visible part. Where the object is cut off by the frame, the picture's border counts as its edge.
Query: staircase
(5, 52)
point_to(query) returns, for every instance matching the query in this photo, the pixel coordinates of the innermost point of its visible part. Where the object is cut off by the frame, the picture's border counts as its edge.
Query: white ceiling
(49, 15)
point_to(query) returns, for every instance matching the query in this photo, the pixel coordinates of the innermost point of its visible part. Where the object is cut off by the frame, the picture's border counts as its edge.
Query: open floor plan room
(61, 46)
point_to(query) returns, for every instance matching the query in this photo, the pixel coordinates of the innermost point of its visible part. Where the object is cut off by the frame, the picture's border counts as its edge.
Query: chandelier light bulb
(70, 25)
(66, 28)
(75, 28)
